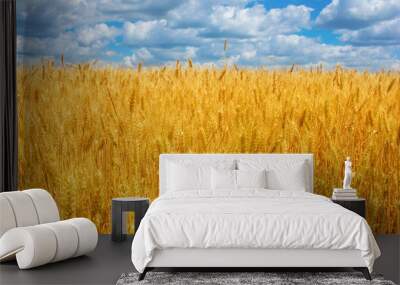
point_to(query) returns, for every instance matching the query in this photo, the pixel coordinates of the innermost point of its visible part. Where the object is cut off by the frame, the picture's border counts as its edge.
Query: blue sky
(361, 34)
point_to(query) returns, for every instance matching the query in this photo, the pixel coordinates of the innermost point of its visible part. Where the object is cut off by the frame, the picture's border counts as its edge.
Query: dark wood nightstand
(357, 205)
(119, 208)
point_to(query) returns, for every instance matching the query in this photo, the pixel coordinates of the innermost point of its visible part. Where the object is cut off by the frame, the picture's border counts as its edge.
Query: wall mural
(105, 86)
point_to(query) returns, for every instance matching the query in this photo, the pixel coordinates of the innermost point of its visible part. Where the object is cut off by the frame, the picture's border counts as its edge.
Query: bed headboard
(307, 157)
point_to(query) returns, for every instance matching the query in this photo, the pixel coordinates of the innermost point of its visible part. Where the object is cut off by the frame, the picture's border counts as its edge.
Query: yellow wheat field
(89, 134)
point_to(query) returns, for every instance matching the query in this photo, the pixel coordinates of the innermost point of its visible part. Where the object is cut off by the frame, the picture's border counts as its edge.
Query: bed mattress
(250, 219)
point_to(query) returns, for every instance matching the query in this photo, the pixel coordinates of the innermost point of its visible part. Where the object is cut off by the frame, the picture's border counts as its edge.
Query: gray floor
(389, 262)
(103, 266)
(110, 260)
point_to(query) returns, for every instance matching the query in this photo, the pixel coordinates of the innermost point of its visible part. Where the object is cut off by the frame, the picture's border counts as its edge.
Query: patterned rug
(269, 278)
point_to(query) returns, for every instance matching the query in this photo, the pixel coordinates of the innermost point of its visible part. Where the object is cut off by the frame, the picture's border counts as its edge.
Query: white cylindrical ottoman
(51, 242)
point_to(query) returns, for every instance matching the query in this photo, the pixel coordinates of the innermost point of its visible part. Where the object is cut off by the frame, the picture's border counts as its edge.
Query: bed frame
(245, 259)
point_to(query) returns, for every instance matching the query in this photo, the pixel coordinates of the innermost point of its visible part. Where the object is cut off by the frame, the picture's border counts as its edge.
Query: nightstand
(119, 208)
(357, 205)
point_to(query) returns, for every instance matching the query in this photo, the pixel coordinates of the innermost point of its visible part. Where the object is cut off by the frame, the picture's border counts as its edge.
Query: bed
(245, 211)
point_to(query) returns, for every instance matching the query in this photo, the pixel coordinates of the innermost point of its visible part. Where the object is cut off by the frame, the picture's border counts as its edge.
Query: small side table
(119, 208)
(357, 205)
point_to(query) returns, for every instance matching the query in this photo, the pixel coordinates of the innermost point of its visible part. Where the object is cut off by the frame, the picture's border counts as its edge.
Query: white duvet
(250, 218)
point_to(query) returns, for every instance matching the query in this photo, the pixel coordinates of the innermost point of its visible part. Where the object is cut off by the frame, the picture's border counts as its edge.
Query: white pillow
(280, 174)
(184, 177)
(293, 179)
(251, 178)
(223, 179)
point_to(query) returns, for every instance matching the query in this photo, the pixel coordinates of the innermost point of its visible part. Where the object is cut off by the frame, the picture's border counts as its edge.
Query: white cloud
(142, 55)
(158, 33)
(230, 21)
(177, 53)
(130, 61)
(97, 35)
(395, 65)
(140, 31)
(363, 22)
(285, 50)
(382, 33)
(229, 60)
(110, 53)
(191, 13)
(156, 55)
(355, 14)
(195, 13)
(249, 54)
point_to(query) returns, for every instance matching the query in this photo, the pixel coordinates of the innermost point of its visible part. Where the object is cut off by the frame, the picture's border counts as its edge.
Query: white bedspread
(250, 218)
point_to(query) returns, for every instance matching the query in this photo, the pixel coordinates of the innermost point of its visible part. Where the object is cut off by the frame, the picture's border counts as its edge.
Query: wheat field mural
(88, 134)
